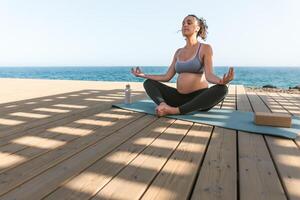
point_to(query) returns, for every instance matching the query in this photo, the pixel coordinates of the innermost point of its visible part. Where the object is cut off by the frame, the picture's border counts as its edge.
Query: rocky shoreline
(270, 89)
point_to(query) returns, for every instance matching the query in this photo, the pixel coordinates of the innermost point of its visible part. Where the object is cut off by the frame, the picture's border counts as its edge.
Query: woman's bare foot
(159, 109)
(164, 109)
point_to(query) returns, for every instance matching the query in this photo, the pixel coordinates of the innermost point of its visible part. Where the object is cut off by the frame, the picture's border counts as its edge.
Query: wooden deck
(73, 145)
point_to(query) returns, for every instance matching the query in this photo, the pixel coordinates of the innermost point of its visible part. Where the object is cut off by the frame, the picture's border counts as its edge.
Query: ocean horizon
(256, 76)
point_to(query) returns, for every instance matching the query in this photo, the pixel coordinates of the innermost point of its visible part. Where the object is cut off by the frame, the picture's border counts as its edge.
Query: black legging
(203, 99)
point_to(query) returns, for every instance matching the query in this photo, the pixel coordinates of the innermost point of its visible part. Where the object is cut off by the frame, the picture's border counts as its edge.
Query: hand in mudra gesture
(227, 77)
(137, 72)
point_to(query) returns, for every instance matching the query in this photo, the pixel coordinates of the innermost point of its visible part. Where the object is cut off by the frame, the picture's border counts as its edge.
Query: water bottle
(127, 94)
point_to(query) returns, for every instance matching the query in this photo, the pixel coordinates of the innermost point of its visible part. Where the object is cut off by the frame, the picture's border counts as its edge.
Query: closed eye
(189, 22)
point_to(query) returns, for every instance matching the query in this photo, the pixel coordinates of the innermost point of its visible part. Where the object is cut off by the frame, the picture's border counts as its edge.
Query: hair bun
(203, 26)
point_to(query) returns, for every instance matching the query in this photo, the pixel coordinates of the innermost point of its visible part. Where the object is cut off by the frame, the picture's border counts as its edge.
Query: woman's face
(189, 26)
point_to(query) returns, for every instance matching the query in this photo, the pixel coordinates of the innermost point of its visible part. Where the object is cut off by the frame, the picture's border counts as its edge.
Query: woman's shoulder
(206, 48)
(177, 51)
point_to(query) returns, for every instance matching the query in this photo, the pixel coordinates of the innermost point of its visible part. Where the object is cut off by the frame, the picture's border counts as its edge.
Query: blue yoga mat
(225, 118)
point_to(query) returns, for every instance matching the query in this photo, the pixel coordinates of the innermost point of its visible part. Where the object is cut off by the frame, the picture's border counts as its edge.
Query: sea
(281, 77)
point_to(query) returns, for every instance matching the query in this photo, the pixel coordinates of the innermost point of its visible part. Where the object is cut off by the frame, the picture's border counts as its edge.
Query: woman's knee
(148, 82)
(222, 89)
(225, 89)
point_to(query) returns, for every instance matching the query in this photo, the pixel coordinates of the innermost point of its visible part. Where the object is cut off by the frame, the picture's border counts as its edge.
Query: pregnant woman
(193, 63)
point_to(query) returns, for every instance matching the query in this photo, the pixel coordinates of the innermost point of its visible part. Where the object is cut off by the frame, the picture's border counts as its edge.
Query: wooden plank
(296, 97)
(22, 173)
(293, 109)
(278, 106)
(256, 103)
(34, 130)
(19, 89)
(29, 146)
(133, 180)
(290, 98)
(46, 182)
(41, 101)
(58, 98)
(284, 101)
(37, 127)
(34, 123)
(91, 180)
(274, 105)
(30, 109)
(228, 98)
(242, 101)
(218, 174)
(175, 180)
(83, 105)
(258, 178)
(229, 101)
(284, 152)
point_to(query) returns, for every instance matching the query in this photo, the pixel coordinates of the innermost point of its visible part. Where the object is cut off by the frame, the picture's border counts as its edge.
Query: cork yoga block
(273, 119)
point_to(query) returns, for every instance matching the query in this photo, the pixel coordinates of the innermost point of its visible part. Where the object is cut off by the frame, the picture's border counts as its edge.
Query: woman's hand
(137, 72)
(227, 77)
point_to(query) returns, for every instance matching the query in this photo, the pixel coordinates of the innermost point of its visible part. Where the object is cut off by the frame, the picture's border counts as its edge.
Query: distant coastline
(255, 77)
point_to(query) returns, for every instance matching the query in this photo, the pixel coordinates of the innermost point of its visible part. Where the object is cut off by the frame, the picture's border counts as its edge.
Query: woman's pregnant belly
(190, 82)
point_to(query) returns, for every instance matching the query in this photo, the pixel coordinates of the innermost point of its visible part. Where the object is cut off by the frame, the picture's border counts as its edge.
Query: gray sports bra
(192, 65)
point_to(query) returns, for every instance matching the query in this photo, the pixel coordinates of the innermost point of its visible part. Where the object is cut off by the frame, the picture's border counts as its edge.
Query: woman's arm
(208, 68)
(163, 78)
(208, 65)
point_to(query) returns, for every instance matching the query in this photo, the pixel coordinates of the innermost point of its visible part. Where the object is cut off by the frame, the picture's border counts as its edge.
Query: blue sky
(145, 33)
